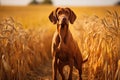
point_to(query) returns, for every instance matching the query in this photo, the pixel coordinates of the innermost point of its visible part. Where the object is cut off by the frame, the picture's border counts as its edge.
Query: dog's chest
(64, 57)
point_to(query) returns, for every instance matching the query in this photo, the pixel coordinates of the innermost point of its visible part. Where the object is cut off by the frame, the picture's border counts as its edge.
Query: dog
(65, 50)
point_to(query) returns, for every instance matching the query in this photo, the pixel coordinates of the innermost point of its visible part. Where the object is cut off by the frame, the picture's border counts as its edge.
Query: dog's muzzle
(63, 20)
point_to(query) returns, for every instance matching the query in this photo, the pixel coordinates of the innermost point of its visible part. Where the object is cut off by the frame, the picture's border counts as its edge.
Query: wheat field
(26, 35)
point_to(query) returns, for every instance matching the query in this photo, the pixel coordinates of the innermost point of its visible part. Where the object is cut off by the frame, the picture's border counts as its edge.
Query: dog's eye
(60, 12)
(67, 12)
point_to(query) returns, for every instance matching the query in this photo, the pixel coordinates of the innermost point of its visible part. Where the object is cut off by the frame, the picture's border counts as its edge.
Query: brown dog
(64, 49)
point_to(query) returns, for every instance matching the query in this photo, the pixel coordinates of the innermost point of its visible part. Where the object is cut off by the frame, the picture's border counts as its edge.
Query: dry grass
(22, 51)
(101, 39)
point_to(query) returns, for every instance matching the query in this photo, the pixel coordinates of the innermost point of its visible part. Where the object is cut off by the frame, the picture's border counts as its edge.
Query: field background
(38, 15)
(26, 34)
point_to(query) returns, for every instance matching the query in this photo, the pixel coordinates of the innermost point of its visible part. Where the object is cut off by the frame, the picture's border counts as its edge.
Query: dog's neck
(62, 31)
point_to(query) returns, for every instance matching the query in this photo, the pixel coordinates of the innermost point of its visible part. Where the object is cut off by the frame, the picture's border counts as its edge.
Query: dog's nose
(64, 19)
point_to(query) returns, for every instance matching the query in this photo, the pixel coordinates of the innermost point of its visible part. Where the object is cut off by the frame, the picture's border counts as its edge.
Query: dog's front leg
(55, 68)
(71, 63)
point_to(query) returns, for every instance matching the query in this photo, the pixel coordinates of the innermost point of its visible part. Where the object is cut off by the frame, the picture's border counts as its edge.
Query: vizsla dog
(64, 48)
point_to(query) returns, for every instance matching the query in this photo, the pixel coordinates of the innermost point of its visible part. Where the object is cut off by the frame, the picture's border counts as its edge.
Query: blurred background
(26, 35)
(62, 2)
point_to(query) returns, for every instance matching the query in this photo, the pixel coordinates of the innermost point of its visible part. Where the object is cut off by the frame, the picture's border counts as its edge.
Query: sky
(86, 2)
(64, 2)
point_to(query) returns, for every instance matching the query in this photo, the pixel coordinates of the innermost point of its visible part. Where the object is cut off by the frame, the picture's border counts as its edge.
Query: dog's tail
(86, 58)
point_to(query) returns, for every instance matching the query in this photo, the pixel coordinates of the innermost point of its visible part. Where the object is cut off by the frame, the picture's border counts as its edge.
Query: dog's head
(62, 16)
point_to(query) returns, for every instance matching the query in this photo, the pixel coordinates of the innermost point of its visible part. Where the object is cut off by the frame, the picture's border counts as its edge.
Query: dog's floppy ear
(53, 16)
(72, 16)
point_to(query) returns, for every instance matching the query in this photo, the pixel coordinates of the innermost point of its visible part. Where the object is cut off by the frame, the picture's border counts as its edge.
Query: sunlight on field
(33, 16)
(28, 16)
(26, 34)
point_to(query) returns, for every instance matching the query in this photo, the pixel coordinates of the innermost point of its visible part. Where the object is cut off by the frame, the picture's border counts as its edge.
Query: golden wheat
(21, 50)
(101, 39)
